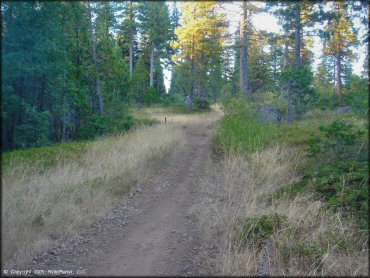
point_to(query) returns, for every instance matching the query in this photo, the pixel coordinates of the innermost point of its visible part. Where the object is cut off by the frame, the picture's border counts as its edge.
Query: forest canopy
(72, 70)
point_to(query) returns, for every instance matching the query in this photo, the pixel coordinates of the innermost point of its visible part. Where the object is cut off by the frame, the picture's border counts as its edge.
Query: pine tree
(342, 36)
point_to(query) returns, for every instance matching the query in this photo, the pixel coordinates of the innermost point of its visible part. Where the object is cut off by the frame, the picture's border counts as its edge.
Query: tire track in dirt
(152, 232)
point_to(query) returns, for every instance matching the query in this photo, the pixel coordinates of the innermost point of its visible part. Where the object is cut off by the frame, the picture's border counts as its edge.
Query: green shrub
(202, 104)
(258, 228)
(335, 136)
(34, 130)
(168, 99)
(238, 130)
(151, 96)
(44, 157)
(344, 185)
(98, 125)
(358, 96)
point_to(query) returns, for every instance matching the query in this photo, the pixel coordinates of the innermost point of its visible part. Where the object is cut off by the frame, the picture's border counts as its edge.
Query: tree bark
(131, 57)
(244, 71)
(339, 72)
(289, 109)
(191, 93)
(275, 67)
(64, 119)
(93, 46)
(298, 38)
(285, 61)
(151, 83)
(339, 69)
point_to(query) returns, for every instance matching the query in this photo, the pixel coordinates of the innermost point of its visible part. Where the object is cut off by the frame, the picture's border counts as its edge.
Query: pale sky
(269, 23)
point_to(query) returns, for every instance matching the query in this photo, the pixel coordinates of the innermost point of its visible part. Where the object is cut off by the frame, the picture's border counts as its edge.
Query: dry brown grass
(159, 113)
(310, 241)
(41, 207)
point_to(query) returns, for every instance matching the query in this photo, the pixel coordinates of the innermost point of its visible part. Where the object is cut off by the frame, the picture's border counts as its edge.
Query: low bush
(98, 125)
(202, 104)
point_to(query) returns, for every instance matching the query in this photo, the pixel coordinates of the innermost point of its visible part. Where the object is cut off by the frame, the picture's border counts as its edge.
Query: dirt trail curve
(154, 231)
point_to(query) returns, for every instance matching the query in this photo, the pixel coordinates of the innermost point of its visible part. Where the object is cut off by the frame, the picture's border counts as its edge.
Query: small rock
(173, 231)
(34, 262)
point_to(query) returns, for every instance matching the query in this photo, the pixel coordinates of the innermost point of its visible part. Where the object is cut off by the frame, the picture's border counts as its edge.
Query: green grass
(341, 181)
(242, 134)
(45, 157)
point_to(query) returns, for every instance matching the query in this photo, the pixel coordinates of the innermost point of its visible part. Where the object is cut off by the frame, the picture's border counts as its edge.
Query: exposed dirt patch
(153, 231)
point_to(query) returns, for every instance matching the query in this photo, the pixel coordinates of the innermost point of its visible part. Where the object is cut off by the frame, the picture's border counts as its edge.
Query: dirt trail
(153, 232)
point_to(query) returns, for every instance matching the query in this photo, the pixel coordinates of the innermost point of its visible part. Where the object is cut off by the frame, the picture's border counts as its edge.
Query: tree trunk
(93, 46)
(244, 52)
(234, 84)
(64, 121)
(285, 61)
(289, 109)
(339, 72)
(275, 68)
(339, 69)
(334, 70)
(298, 38)
(151, 83)
(131, 53)
(191, 93)
(131, 57)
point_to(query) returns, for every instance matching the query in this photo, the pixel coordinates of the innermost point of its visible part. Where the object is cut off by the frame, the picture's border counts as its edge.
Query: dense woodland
(71, 70)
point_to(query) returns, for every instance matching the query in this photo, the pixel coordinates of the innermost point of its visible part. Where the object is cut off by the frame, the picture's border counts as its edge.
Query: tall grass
(239, 130)
(306, 238)
(303, 234)
(72, 190)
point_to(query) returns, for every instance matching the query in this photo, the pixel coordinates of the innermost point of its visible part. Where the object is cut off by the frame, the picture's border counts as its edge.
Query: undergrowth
(317, 216)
